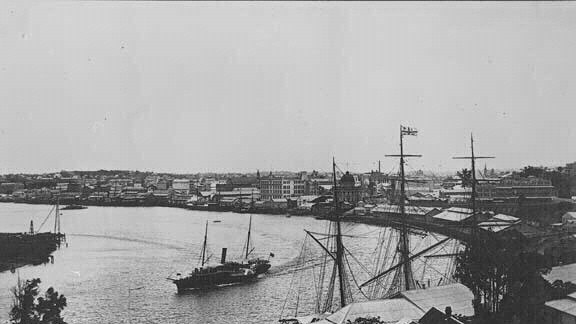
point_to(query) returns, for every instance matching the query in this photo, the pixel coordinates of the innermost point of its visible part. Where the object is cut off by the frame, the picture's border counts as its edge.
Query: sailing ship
(205, 276)
(392, 272)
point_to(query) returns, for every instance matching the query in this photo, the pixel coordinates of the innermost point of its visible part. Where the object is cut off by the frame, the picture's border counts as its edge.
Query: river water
(115, 267)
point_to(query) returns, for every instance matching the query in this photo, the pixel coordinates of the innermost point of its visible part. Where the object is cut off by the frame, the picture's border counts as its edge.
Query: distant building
(182, 186)
(292, 187)
(162, 184)
(62, 186)
(571, 169)
(121, 182)
(10, 187)
(115, 191)
(514, 188)
(271, 187)
(348, 190)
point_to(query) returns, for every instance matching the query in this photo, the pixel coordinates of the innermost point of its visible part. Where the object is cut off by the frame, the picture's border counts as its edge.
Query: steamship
(225, 273)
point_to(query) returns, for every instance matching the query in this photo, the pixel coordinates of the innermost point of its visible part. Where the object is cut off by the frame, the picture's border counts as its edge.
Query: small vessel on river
(71, 207)
(224, 273)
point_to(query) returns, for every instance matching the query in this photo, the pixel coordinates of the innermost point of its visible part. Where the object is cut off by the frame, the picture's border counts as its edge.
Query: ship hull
(261, 268)
(212, 280)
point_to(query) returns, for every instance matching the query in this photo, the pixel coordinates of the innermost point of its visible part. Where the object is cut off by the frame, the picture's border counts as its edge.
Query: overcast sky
(200, 86)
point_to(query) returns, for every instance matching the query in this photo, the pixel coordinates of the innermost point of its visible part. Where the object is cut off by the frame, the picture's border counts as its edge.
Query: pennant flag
(408, 131)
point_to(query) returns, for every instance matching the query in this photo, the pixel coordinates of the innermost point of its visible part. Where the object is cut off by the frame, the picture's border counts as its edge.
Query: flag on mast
(408, 131)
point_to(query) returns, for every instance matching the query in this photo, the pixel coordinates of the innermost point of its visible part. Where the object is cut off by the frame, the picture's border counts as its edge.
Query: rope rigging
(46, 219)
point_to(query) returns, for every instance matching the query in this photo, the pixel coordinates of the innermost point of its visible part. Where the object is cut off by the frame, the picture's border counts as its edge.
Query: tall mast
(339, 246)
(204, 245)
(248, 240)
(404, 244)
(473, 195)
(473, 159)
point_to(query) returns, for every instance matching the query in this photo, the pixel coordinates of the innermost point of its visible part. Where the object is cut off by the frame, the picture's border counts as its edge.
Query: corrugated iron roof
(506, 218)
(413, 210)
(494, 226)
(566, 305)
(565, 273)
(457, 296)
(460, 210)
(453, 216)
(389, 311)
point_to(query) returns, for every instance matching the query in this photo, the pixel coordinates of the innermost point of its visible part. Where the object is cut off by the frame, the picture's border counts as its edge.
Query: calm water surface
(115, 267)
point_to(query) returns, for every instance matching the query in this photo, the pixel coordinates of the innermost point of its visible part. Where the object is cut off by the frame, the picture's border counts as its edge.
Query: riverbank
(209, 207)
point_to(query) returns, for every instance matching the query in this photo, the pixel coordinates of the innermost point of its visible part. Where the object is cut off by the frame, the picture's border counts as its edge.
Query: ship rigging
(349, 279)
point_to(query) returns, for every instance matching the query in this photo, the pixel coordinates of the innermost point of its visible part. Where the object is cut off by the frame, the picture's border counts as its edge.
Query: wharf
(20, 249)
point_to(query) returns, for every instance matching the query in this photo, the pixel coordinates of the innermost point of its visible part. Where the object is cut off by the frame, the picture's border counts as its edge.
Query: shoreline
(291, 212)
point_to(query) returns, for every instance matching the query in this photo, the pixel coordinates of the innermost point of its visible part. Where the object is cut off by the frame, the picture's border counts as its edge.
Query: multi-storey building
(292, 187)
(271, 187)
(121, 182)
(513, 188)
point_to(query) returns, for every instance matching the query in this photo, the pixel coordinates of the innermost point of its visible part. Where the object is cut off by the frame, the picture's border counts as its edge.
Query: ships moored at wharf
(33, 247)
(225, 273)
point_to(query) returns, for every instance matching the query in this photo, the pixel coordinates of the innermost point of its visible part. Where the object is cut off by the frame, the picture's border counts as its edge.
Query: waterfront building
(62, 186)
(271, 187)
(292, 187)
(244, 181)
(10, 187)
(178, 197)
(243, 193)
(182, 186)
(514, 188)
(348, 190)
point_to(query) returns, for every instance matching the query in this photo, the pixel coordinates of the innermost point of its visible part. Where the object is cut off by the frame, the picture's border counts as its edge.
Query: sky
(239, 86)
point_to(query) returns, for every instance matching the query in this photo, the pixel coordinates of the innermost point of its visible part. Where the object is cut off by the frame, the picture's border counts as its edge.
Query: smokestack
(223, 258)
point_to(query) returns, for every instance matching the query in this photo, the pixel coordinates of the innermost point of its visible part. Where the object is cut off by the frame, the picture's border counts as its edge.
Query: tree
(505, 279)
(366, 320)
(557, 177)
(531, 171)
(466, 176)
(28, 308)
